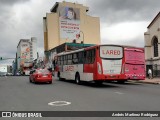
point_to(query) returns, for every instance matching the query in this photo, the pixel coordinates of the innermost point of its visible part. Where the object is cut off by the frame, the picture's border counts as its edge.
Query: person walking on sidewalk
(150, 73)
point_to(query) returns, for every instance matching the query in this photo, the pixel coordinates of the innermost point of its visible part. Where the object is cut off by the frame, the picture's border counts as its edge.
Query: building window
(155, 47)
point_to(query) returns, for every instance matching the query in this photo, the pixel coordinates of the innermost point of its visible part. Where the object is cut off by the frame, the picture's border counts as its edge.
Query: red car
(40, 75)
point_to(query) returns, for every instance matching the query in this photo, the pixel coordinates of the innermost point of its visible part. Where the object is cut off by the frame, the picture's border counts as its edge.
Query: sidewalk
(151, 81)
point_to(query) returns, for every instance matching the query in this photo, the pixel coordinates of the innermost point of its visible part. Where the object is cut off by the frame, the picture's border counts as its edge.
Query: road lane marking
(120, 93)
(59, 103)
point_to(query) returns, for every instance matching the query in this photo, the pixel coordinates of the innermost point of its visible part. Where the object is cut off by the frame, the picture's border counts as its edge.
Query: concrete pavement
(18, 94)
(151, 81)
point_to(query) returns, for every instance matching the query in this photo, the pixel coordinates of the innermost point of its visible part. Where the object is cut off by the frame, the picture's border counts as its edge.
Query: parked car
(40, 75)
(3, 73)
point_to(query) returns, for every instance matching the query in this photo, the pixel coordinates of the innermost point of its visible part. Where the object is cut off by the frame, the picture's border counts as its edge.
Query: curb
(147, 82)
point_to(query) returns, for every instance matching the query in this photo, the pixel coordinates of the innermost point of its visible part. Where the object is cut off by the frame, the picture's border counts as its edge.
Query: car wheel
(30, 80)
(50, 82)
(34, 81)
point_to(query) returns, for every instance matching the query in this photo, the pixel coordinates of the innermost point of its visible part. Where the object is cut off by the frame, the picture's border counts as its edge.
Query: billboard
(69, 23)
(25, 53)
(111, 52)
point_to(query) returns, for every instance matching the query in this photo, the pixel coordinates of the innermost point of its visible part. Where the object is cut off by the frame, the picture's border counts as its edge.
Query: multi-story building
(152, 46)
(26, 53)
(33, 48)
(69, 23)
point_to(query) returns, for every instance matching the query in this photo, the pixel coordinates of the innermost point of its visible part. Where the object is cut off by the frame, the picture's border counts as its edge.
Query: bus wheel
(50, 82)
(98, 82)
(77, 79)
(121, 81)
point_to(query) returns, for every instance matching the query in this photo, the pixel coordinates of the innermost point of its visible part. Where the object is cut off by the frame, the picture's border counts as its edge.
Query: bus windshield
(111, 52)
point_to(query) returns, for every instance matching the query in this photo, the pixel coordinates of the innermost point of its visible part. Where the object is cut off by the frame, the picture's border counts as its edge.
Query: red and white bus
(101, 63)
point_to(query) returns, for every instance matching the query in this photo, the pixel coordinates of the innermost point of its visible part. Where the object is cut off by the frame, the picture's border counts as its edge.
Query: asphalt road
(18, 94)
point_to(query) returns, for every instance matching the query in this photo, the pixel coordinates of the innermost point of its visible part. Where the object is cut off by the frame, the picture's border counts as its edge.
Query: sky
(121, 21)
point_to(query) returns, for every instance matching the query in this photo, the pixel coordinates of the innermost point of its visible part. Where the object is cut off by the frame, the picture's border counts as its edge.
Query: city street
(18, 94)
(114, 46)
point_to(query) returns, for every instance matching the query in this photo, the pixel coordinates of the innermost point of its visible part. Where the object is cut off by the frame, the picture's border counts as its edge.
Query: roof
(93, 46)
(54, 8)
(56, 5)
(23, 40)
(79, 44)
(157, 16)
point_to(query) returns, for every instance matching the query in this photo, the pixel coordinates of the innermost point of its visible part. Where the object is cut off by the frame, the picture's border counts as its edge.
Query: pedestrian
(150, 73)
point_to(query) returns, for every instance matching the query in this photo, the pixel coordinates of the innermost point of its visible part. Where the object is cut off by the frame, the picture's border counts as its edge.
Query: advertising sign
(69, 23)
(25, 53)
(111, 52)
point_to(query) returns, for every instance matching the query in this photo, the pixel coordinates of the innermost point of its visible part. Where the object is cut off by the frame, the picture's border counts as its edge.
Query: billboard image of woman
(69, 22)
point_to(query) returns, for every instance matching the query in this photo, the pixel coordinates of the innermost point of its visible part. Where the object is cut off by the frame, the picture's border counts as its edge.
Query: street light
(83, 35)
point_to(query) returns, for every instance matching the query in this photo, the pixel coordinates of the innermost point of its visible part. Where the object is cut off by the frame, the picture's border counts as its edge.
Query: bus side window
(62, 60)
(69, 59)
(80, 57)
(65, 60)
(75, 58)
(86, 57)
(90, 56)
(59, 60)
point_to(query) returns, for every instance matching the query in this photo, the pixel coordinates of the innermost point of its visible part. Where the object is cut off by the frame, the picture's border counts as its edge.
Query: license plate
(112, 76)
(44, 75)
(135, 77)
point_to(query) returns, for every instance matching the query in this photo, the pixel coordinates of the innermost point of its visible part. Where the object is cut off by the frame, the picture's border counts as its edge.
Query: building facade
(152, 46)
(33, 48)
(26, 52)
(69, 22)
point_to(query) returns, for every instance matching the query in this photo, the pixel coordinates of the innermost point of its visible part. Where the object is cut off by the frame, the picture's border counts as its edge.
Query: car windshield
(44, 71)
